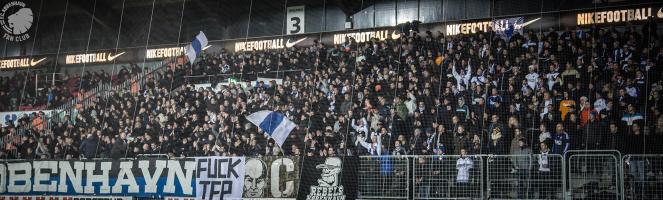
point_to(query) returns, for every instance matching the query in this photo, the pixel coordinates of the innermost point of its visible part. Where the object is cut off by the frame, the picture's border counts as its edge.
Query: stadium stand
(514, 113)
(563, 88)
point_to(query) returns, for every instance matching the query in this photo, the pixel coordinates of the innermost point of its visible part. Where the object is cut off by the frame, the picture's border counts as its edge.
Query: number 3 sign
(295, 20)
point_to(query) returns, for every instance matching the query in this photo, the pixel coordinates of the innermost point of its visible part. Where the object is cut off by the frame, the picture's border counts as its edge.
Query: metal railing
(642, 176)
(383, 177)
(593, 174)
(448, 177)
(578, 174)
(529, 176)
(195, 79)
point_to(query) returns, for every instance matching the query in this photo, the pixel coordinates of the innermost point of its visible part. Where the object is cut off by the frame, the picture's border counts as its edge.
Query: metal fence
(594, 176)
(575, 175)
(642, 176)
(384, 177)
(533, 176)
(448, 177)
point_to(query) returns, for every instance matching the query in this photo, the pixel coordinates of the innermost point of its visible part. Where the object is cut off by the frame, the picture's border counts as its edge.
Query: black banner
(329, 178)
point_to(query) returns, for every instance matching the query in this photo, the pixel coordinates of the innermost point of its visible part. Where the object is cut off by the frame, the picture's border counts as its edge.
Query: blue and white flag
(275, 124)
(507, 27)
(196, 46)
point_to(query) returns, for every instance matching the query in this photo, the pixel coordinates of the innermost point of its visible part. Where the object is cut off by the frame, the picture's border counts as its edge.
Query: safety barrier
(534, 176)
(576, 175)
(643, 176)
(384, 177)
(448, 177)
(593, 174)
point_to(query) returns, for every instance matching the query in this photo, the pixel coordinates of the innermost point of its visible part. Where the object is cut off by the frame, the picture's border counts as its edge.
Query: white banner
(14, 116)
(295, 20)
(267, 81)
(219, 177)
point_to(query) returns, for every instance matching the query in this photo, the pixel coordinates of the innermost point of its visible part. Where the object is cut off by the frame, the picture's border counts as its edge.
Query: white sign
(91, 58)
(19, 63)
(295, 20)
(219, 177)
(6, 117)
(615, 16)
(261, 45)
(218, 85)
(498, 25)
(267, 81)
(365, 36)
(164, 52)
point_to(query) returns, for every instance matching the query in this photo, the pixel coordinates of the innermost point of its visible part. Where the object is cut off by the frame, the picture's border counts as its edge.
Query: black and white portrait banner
(271, 177)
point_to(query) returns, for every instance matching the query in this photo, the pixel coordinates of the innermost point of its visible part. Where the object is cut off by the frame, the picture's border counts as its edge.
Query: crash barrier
(577, 175)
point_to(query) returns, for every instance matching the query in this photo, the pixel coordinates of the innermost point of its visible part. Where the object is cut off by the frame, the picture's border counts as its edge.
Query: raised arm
(468, 73)
(454, 73)
(379, 147)
(363, 143)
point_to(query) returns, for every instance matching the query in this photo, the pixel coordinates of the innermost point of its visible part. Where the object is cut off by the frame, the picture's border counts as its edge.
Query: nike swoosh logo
(395, 36)
(288, 44)
(659, 14)
(34, 63)
(518, 26)
(111, 58)
(207, 47)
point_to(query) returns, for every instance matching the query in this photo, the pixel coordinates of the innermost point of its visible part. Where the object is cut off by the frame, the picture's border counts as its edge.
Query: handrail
(257, 73)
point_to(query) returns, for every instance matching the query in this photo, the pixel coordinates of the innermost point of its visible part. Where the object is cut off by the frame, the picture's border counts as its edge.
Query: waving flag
(197, 45)
(273, 123)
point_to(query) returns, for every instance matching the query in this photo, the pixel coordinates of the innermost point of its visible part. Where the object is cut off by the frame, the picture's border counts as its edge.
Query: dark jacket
(459, 142)
(89, 147)
(497, 147)
(613, 141)
(119, 149)
(593, 134)
(634, 144)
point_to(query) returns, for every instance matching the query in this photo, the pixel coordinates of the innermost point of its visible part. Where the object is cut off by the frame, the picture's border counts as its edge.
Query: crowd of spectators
(21, 90)
(423, 94)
